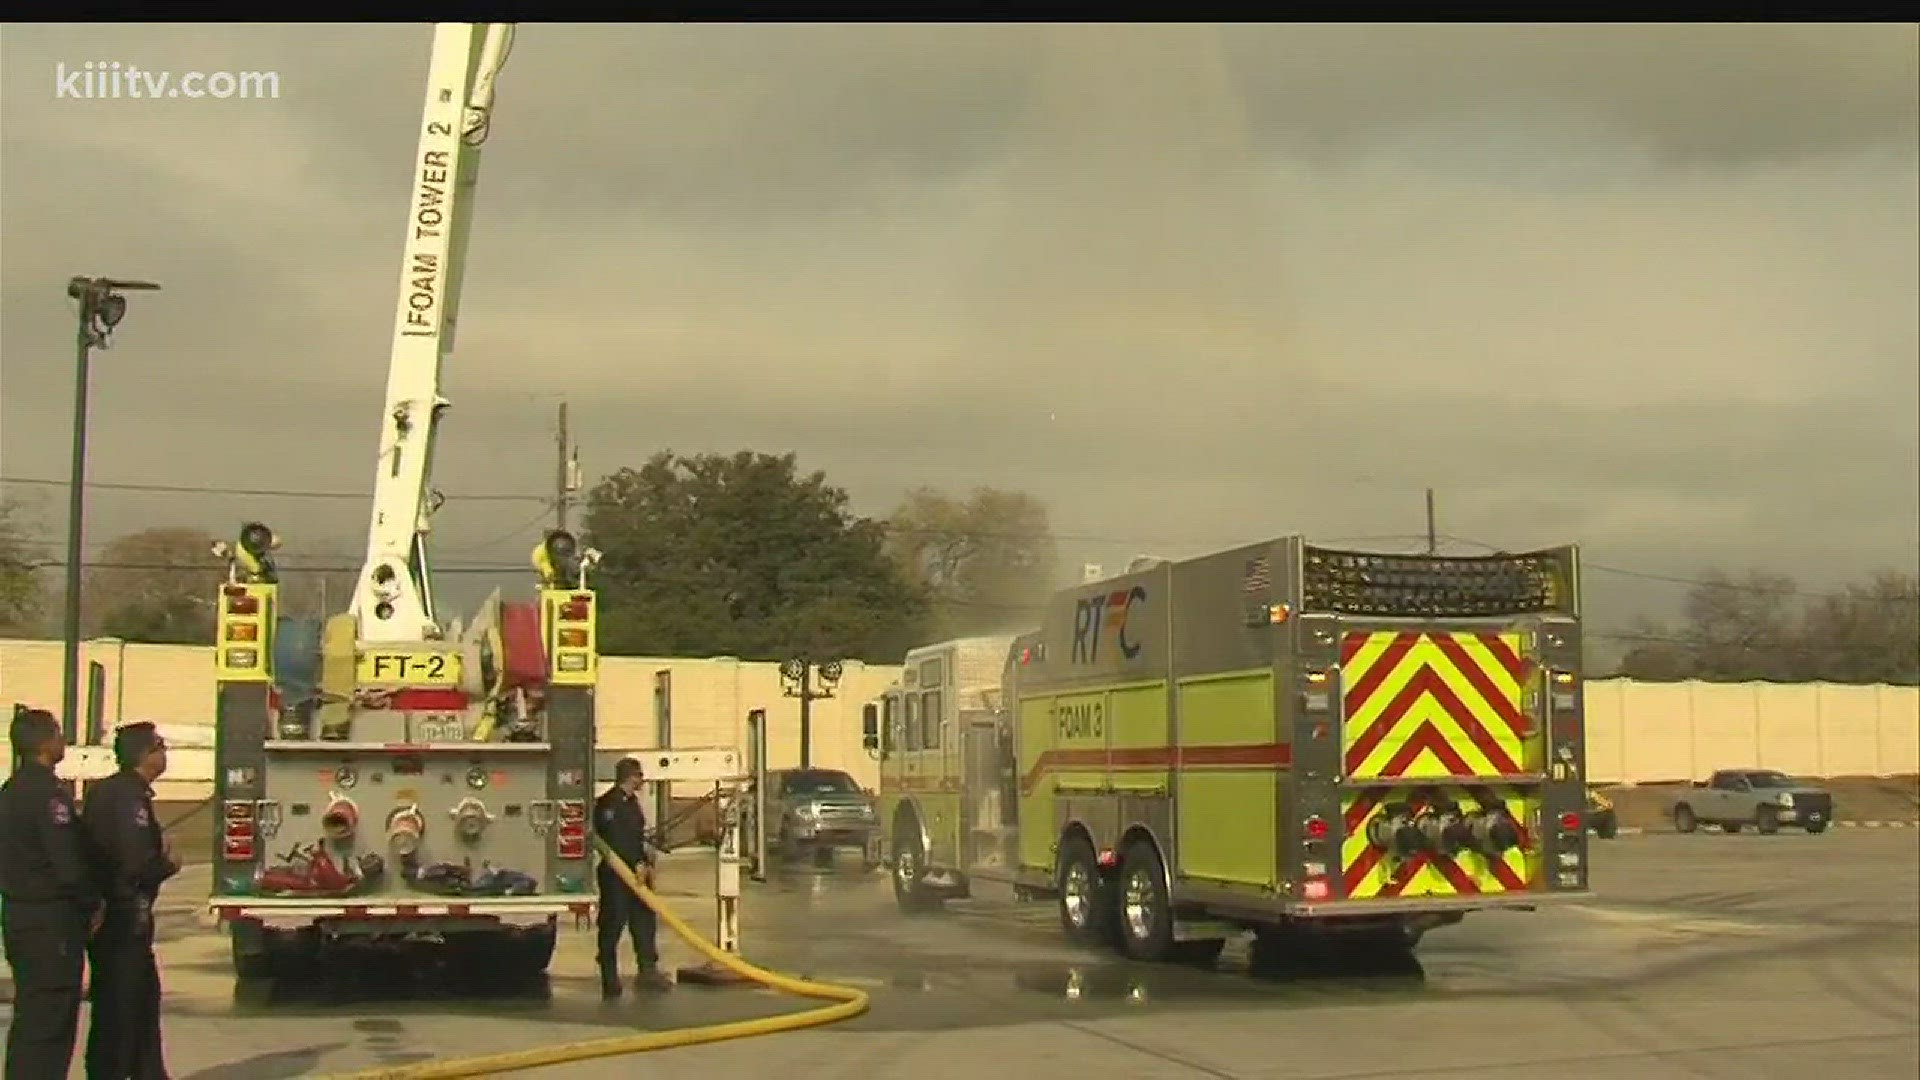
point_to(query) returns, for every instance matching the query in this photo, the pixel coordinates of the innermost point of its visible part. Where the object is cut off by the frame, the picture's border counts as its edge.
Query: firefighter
(133, 858)
(51, 904)
(620, 821)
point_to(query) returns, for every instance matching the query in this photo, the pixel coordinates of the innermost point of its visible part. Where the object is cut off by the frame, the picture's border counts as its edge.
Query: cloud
(1650, 287)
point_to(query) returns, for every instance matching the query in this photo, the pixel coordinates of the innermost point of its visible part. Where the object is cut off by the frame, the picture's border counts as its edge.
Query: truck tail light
(573, 829)
(237, 842)
(573, 637)
(239, 602)
(1315, 828)
(577, 609)
(1570, 822)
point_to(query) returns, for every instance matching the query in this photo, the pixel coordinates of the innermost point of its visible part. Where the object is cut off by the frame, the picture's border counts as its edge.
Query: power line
(260, 493)
(547, 503)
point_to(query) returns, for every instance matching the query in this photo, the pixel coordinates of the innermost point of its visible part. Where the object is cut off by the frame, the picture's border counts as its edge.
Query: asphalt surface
(1705, 957)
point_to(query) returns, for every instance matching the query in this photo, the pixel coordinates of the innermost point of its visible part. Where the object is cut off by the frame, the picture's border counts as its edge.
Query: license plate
(393, 667)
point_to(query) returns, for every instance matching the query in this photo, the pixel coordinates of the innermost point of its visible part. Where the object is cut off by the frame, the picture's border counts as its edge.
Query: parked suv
(1762, 798)
(814, 812)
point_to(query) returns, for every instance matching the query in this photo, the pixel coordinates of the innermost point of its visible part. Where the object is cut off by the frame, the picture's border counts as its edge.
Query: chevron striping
(1366, 873)
(1409, 694)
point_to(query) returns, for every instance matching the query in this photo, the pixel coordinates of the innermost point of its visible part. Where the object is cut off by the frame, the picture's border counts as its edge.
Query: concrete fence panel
(1636, 732)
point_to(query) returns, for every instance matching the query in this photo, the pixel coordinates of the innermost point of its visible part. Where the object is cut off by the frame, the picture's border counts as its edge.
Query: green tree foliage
(157, 586)
(1764, 628)
(20, 592)
(987, 562)
(742, 555)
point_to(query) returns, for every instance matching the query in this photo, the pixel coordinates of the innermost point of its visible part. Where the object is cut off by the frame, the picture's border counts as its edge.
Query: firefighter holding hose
(620, 821)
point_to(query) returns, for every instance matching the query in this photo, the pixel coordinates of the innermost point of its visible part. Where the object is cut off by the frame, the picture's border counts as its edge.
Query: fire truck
(1285, 738)
(382, 776)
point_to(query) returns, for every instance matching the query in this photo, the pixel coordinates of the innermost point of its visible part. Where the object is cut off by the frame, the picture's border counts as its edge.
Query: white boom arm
(393, 600)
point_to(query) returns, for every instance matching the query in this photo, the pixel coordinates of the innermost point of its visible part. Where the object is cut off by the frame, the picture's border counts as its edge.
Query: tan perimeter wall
(1636, 732)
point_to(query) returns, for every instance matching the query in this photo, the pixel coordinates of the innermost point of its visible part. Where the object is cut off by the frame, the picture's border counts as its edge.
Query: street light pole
(101, 309)
(797, 681)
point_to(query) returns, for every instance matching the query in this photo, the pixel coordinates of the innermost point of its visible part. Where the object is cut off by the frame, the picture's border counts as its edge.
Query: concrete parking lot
(1704, 957)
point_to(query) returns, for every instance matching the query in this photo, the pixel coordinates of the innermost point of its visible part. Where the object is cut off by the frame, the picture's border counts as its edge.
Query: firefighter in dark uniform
(619, 820)
(132, 859)
(51, 905)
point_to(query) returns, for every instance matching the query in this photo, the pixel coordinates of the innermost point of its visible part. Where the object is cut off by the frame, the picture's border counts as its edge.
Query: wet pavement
(1705, 957)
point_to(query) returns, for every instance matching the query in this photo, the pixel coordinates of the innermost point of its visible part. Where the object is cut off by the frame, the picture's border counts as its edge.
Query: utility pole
(563, 475)
(1433, 537)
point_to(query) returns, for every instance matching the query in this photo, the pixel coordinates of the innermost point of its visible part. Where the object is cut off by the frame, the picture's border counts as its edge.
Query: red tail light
(573, 829)
(576, 610)
(1570, 822)
(1316, 828)
(242, 604)
(237, 840)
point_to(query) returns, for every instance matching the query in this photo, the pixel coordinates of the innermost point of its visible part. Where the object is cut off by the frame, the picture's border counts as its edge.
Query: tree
(986, 562)
(20, 593)
(1763, 628)
(741, 555)
(157, 585)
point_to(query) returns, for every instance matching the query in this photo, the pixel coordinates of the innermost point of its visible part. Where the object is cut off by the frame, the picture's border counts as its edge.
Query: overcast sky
(1652, 289)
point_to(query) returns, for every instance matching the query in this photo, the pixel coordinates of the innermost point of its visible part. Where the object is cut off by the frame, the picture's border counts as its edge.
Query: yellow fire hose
(851, 1003)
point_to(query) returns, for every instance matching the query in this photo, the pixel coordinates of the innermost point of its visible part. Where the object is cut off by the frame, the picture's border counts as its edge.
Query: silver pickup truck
(1762, 798)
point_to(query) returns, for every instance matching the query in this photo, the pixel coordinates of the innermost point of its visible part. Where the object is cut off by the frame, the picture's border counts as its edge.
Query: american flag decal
(1254, 586)
(1259, 575)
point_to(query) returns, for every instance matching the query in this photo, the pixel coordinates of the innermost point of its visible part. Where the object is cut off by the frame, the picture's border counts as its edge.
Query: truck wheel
(251, 958)
(1683, 819)
(1767, 820)
(1815, 828)
(909, 875)
(1086, 912)
(1731, 828)
(1146, 912)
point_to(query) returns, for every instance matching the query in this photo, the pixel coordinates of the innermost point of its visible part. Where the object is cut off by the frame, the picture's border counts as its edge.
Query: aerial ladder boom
(393, 598)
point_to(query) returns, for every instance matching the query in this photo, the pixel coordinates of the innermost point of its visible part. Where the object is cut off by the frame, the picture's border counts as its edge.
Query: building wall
(1636, 732)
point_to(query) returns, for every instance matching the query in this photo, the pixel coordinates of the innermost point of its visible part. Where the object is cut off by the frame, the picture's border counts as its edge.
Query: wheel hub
(1137, 904)
(1075, 894)
(906, 868)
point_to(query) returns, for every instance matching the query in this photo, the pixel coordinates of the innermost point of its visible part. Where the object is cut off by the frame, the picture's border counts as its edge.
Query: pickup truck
(1762, 798)
(813, 812)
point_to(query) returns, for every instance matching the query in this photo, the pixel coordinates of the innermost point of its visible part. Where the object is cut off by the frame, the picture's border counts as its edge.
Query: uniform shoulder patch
(60, 812)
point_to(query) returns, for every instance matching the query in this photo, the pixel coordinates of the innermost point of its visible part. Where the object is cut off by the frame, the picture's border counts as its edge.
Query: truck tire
(1815, 828)
(251, 958)
(1683, 819)
(1731, 828)
(910, 892)
(1767, 820)
(1144, 910)
(1086, 908)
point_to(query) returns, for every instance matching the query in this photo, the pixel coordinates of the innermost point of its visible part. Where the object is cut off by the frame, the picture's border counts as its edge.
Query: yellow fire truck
(1282, 737)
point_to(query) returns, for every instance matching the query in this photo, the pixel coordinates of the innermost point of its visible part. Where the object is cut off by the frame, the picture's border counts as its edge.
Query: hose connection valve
(341, 819)
(1495, 832)
(1445, 831)
(405, 826)
(1395, 831)
(470, 818)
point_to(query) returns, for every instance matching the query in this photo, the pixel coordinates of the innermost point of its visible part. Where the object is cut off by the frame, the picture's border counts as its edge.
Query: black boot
(609, 981)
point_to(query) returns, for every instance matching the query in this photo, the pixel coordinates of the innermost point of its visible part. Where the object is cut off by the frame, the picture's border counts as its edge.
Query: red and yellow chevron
(1436, 706)
(1368, 873)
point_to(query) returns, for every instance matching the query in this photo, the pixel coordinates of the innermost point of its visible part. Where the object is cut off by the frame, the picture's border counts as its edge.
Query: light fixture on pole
(101, 307)
(797, 681)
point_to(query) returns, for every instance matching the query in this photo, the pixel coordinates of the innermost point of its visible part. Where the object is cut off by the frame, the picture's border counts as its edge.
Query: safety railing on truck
(1435, 586)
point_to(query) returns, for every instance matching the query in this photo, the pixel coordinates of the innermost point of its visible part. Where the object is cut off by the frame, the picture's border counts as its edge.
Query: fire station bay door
(981, 794)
